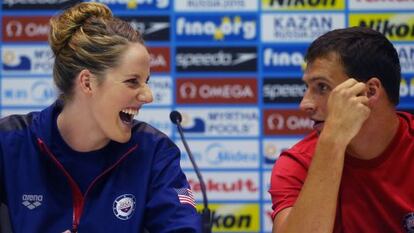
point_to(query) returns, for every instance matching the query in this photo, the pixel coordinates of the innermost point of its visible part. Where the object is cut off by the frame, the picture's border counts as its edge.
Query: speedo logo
(32, 201)
(220, 58)
(216, 59)
(217, 28)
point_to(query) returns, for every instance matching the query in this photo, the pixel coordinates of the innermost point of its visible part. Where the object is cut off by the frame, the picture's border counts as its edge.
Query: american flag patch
(186, 196)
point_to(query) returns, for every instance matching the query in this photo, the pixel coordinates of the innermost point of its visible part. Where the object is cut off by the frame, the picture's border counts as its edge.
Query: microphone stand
(206, 213)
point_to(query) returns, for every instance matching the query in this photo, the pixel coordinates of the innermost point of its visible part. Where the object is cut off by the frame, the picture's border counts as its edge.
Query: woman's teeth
(130, 111)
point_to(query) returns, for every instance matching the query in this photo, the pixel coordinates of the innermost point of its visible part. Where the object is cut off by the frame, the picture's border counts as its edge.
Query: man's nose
(307, 103)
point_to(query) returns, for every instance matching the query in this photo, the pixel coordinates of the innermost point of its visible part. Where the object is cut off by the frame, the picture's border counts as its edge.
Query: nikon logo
(388, 28)
(231, 221)
(302, 2)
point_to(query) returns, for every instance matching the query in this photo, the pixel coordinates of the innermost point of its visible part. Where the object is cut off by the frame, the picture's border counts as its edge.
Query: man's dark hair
(364, 53)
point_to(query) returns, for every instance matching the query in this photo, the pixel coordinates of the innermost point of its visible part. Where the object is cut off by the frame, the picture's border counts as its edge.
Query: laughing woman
(84, 164)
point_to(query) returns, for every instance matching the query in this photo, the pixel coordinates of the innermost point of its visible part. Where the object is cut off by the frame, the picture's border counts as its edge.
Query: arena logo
(216, 5)
(37, 4)
(280, 122)
(297, 27)
(406, 55)
(304, 4)
(21, 28)
(216, 91)
(213, 27)
(153, 28)
(216, 59)
(137, 4)
(398, 27)
(283, 90)
(160, 59)
(236, 186)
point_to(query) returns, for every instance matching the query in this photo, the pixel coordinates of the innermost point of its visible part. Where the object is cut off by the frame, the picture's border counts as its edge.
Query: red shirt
(375, 195)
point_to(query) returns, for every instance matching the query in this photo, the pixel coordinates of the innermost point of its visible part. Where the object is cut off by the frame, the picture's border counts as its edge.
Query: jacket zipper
(78, 198)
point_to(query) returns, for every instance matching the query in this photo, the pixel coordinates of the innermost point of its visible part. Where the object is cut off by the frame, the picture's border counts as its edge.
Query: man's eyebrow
(316, 78)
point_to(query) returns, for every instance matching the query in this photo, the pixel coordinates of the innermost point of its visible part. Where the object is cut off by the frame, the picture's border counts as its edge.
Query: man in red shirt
(353, 173)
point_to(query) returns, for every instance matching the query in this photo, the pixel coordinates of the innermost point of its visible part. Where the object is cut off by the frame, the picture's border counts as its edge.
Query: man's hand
(347, 109)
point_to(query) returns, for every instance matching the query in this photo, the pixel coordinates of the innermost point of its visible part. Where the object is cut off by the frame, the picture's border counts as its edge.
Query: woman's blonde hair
(87, 36)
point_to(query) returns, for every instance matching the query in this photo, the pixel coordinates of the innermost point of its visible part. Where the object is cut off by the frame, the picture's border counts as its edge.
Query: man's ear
(85, 81)
(373, 88)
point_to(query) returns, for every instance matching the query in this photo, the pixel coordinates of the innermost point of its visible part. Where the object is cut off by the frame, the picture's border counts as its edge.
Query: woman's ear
(84, 80)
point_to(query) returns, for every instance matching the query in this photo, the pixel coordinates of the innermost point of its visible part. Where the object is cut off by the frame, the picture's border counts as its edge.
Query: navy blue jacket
(138, 191)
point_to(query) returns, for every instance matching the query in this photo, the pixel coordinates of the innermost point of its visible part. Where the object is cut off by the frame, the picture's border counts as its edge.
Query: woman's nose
(145, 95)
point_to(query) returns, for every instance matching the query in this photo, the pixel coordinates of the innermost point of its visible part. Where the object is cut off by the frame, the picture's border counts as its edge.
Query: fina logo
(227, 27)
(124, 206)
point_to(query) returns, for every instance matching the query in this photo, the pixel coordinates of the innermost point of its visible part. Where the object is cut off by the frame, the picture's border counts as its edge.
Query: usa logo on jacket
(124, 206)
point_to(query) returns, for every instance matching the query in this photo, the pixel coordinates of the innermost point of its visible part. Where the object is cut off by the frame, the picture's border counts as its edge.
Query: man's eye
(322, 87)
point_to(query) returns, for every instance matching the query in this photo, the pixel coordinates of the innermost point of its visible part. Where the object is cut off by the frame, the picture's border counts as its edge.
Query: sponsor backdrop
(233, 69)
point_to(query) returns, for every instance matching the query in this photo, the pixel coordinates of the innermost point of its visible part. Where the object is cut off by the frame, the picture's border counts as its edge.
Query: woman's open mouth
(127, 115)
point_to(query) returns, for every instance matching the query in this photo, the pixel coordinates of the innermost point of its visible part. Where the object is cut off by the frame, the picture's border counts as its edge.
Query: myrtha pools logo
(124, 206)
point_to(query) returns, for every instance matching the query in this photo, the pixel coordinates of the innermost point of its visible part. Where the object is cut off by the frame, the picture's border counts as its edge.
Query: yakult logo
(279, 122)
(213, 27)
(228, 185)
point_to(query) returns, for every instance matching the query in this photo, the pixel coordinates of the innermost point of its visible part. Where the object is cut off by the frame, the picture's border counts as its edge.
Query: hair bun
(63, 26)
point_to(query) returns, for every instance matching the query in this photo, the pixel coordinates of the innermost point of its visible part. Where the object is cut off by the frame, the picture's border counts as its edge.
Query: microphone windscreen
(175, 117)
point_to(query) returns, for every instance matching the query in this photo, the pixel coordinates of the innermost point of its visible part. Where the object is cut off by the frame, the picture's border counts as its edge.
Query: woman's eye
(132, 82)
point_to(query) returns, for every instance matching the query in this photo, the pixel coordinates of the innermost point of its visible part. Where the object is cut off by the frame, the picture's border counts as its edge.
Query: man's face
(320, 77)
